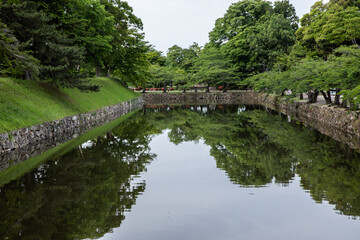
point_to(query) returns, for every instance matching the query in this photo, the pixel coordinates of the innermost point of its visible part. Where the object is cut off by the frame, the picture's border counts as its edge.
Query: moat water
(191, 172)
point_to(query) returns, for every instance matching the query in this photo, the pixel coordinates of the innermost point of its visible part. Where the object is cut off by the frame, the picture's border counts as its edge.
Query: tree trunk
(28, 75)
(326, 96)
(165, 89)
(225, 88)
(344, 103)
(337, 97)
(301, 96)
(97, 70)
(109, 73)
(329, 95)
(184, 89)
(195, 89)
(312, 96)
(208, 88)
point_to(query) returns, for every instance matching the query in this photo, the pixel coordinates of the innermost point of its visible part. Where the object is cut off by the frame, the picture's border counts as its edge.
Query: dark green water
(191, 172)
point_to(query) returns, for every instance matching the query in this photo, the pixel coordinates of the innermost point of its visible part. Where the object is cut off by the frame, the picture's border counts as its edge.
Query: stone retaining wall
(19, 145)
(338, 123)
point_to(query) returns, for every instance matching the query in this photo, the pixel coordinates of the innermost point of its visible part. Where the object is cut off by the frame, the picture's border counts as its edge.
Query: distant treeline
(256, 45)
(260, 45)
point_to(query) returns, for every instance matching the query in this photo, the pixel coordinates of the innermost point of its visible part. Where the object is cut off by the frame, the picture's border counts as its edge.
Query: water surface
(191, 172)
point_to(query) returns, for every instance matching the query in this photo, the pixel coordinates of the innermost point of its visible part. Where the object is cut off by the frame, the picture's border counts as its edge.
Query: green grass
(20, 169)
(27, 103)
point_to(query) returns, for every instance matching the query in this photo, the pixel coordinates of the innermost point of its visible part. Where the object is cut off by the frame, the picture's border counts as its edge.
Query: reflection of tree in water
(248, 156)
(82, 194)
(335, 179)
(85, 193)
(255, 148)
(328, 169)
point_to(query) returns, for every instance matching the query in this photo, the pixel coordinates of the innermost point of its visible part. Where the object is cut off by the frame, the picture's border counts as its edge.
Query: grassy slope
(27, 103)
(20, 169)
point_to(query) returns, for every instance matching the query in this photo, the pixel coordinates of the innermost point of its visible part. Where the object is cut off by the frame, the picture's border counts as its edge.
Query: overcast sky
(182, 22)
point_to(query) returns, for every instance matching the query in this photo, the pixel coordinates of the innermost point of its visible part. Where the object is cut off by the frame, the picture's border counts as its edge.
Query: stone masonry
(21, 144)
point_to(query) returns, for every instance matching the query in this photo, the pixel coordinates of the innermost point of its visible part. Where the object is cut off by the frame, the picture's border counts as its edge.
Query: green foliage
(101, 173)
(156, 57)
(256, 148)
(66, 40)
(213, 68)
(329, 26)
(325, 58)
(339, 72)
(240, 16)
(27, 103)
(270, 40)
(14, 60)
(59, 58)
(161, 75)
(180, 58)
(174, 69)
(253, 34)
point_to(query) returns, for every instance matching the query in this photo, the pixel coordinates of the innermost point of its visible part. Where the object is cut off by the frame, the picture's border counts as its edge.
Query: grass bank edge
(20, 169)
(29, 103)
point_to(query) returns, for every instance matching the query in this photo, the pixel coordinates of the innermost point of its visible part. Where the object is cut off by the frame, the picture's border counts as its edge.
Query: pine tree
(60, 60)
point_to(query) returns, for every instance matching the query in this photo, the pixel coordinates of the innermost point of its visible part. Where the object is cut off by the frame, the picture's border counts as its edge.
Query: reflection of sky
(187, 197)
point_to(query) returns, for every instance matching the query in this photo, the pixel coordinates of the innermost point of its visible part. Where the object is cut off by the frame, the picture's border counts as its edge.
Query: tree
(253, 34)
(329, 26)
(287, 10)
(175, 57)
(82, 194)
(60, 59)
(161, 76)
(270, 40)
(214, 68)
(345, 72)
(15, 61)
(156, 57)
(239, 16)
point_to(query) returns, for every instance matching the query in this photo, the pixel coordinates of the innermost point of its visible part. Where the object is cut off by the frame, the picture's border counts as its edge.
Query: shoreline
(338, 123)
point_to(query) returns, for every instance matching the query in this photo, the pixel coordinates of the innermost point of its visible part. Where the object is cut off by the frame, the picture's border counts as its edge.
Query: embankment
(35, 116)
(22, 144)
(28, 103)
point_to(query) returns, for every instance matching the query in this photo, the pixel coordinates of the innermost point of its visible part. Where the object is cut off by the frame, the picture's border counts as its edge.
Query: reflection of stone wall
(200, 98)
(342, 125)
(338, 123)
(19, 145)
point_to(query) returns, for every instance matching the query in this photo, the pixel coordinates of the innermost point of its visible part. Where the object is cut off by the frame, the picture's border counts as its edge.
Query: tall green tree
(183, 58)
(14, 61)
(329, 26)
(213, 68)
(60, 58)
(240, 16)
(253, 34)
(270, 40)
